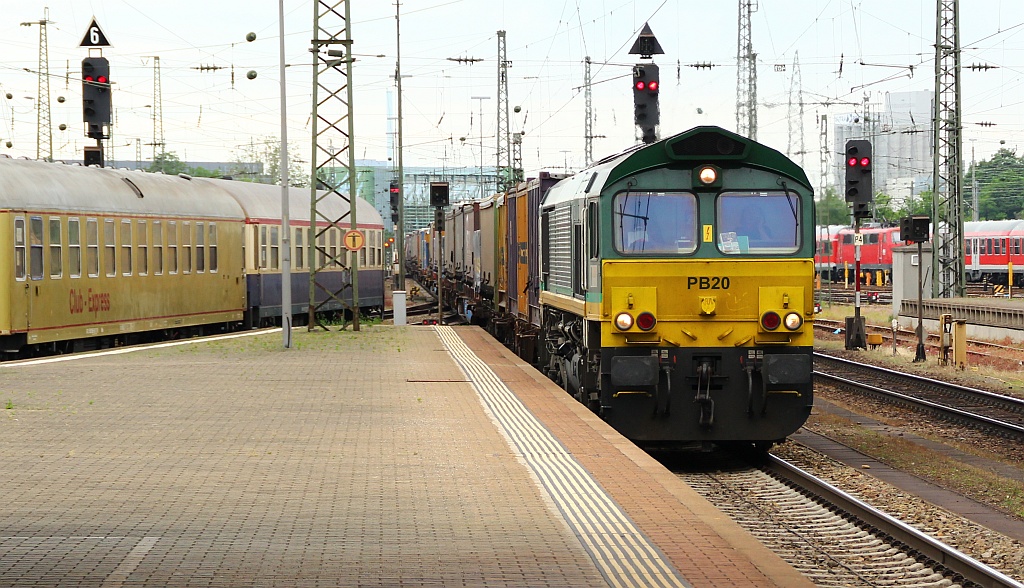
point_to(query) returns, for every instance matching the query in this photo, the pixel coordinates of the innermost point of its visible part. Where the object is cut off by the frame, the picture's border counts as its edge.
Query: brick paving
(356, 459)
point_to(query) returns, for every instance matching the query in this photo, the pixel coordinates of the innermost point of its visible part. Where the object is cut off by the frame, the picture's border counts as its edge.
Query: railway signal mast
(646, 84)
(97, 105)
(859, 195)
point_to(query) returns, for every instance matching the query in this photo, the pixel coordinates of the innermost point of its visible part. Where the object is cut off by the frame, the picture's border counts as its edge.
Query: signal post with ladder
(860, 197)
(97, 105)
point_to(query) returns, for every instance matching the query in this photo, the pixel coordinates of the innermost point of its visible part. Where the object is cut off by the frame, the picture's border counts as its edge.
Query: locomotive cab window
(759, 223)
(655, 223)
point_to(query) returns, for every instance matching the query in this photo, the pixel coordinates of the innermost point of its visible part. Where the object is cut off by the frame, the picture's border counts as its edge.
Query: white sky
(207, 118)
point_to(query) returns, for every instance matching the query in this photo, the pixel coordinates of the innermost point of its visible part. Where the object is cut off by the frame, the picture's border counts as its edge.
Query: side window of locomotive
(109, 247)
(74, 247)
(658, 223)
(20, 255)
(56, 247)
(594, 229)
(92, 244)
(760, 223)
(35, 253)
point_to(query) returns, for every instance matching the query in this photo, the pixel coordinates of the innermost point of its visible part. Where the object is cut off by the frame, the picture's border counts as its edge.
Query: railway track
(995, 414)
(903, 335)
(832, 537)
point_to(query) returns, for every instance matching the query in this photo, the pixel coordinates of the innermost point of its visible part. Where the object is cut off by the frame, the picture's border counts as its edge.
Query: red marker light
(865, 161)
(640, 85)
(653, 86)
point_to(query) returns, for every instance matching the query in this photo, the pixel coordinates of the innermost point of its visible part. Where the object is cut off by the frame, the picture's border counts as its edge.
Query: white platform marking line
(131, 561)
(622, 553)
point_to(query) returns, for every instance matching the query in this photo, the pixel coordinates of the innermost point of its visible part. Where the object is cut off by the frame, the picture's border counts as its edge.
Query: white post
(286, 242)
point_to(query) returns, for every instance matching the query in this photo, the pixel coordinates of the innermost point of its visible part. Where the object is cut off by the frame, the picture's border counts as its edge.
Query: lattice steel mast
(746, 74)
(44, 134)
(158, 112)
(332, 116)
(824, 155)
(588, 128)
(947, 173)
(796, 119)
(506, 174)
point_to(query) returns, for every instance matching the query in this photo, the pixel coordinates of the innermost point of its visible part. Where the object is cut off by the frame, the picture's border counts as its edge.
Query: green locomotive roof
(707, 144)
(697, 146)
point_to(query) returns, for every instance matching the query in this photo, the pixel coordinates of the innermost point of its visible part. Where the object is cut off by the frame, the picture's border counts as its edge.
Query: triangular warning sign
(94, 36)
(646, 45)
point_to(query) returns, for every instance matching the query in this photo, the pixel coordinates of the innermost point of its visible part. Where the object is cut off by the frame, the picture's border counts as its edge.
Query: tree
(168, 163)
(268, 152)
(202, 172)
(831, 209)
(1000, 186)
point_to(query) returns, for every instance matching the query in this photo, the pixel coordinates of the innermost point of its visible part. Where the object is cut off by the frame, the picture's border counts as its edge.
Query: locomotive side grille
(560, 249)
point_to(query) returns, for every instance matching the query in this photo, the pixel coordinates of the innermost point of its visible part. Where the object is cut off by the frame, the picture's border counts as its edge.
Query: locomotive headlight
(707, 175)
(624, 321)
(794, 321)
(646, 321)
(771, 320)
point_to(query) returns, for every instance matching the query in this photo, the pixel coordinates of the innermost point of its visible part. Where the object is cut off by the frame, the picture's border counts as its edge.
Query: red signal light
(102, 79)
(852, 162)
(89, 78)
(640, 85)
(653, 86)
(645, 321)
(865, 161)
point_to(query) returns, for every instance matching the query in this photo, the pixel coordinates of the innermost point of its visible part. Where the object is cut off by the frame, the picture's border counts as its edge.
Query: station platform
(392, 456)
(993, 319)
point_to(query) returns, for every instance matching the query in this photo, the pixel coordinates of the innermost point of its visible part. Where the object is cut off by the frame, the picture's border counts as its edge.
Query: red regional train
(989, 247)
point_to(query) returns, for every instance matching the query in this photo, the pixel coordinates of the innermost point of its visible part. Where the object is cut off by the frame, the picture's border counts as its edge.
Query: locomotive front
(677, 283)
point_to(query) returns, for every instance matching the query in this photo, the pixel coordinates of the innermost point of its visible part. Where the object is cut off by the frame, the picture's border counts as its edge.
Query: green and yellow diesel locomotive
(668, 287)
(675, 288)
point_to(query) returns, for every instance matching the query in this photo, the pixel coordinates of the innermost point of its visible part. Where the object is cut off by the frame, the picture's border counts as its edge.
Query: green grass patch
(905, 455)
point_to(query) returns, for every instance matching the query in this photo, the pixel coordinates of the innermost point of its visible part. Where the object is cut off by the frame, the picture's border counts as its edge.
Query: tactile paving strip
(622, 553)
